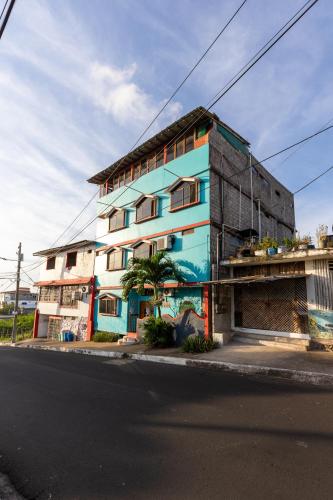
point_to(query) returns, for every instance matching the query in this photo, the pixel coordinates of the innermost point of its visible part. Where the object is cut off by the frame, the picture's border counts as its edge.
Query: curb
(313, 378)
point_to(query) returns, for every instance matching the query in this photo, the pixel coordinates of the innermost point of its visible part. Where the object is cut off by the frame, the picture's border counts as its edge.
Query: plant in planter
(244, 251)
(267, 245)
(321, 235)
(304, 242)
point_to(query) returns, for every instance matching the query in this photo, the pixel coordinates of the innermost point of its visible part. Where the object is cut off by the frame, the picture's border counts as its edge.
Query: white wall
(55, 309)
(84, 265)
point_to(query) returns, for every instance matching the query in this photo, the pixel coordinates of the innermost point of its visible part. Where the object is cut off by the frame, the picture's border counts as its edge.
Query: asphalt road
(75, 427)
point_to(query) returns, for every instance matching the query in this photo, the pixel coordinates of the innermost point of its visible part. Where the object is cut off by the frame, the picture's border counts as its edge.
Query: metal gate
(277, 306)
(54, 327)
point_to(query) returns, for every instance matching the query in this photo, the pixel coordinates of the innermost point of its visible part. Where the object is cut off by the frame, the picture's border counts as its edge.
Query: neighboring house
(26, 301)
(198, 199)
(286, 298)
(66, 291)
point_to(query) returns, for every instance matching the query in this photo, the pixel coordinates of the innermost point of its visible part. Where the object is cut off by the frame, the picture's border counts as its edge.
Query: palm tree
(152, 271)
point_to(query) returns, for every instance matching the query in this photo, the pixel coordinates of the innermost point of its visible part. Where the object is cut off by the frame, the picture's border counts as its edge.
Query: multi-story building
(66, 291)
(26, 299)
(195, 190)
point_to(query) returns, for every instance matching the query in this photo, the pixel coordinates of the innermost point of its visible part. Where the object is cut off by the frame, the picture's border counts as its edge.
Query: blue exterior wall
(191, 251)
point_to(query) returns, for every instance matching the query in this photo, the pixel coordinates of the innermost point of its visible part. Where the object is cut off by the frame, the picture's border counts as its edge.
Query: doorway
(145, 309)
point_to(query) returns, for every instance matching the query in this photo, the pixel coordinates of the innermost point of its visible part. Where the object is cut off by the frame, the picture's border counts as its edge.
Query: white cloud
(61, 118)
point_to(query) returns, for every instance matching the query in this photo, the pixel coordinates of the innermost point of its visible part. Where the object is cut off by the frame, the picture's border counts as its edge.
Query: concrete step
(273, 341)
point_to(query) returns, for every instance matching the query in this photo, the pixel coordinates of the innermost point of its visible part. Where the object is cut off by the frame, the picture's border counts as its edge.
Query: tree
(152, 271)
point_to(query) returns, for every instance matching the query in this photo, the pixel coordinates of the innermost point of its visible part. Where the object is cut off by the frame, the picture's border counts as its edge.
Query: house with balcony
(195, 191)
(66, 292)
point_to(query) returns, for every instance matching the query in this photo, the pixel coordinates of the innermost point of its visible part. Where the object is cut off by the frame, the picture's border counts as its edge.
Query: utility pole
(18, 272)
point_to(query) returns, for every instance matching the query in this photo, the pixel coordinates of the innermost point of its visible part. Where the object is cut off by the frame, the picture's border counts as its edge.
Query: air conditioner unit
(169, 292)
(164, 243)
(84, 289)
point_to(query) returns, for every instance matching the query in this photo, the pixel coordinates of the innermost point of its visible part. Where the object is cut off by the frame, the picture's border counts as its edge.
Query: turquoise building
(165, 195)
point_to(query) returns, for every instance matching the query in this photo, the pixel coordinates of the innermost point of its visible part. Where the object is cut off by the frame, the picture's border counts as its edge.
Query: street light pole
(18, 272)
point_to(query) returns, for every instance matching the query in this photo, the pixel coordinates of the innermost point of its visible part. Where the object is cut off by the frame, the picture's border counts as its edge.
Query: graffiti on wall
(77, 326)
(321, 324)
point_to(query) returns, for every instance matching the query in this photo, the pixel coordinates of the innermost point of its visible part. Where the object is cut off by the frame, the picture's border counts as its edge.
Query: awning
(247, 280)
(79, 281)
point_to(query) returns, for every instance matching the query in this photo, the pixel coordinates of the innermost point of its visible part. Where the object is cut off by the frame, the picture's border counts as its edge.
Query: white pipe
(251, 183)
(240, 207)
(259, 220)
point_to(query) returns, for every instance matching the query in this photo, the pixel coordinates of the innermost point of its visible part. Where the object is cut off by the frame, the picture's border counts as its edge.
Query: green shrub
(157, 332)
(186, 304)
(105, 337)
(196, 343)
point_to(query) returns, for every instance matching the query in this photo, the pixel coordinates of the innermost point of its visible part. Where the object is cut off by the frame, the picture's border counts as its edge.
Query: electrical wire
(301, 141)
(3, 9)
(163, 108)
(268, 46)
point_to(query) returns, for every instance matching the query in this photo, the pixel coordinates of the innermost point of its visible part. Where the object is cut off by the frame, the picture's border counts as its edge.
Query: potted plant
(287, 245)
(304, 242)
(267, 245)
(321, 235)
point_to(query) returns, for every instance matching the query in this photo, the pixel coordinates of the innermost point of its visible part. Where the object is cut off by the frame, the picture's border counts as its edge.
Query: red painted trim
(36, 321)
(163, 285)
(90, 322)
(206, 307)
(79, 281)
(201, 141)
(184, 206)
(155, 235)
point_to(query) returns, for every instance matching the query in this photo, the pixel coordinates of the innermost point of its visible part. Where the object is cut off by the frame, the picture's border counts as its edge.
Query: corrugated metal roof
(162, 137)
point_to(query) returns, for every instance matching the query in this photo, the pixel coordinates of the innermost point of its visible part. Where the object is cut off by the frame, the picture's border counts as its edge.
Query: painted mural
(321, 324)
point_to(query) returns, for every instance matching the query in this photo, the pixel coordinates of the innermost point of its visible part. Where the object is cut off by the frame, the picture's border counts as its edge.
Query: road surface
(75, 427)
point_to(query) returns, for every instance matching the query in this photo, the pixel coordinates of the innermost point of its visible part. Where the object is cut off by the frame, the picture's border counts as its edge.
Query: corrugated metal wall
(323, 281)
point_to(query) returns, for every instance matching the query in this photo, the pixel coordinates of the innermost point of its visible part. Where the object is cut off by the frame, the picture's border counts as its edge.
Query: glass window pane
(137, 171)
(115, 260)
(128, 175)
(145, 209)
(160, 159)
(185, 194)
(170, 153)
(142, 251)
(121, 179)
(177, 198)
(180, 148)
(189, 143)
(151, 163)
(143, 167)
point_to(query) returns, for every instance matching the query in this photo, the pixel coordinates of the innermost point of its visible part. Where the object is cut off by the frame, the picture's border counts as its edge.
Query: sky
(81, 79)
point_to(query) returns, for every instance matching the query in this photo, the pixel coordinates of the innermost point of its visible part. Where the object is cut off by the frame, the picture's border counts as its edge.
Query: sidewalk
(307, 367)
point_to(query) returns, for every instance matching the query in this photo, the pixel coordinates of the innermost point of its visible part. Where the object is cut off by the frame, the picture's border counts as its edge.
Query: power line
(298, 149)
(268, 46)
(265, 49)
(301, 141)
(163, 107)
(313, 180)
(3, 9)
(191, 71)
(7, 15)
